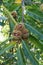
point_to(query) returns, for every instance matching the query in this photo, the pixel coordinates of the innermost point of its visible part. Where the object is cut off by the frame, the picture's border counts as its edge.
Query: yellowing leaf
(18, 1)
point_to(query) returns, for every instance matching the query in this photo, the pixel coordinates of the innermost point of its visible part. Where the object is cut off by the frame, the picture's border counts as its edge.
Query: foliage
(23, 52)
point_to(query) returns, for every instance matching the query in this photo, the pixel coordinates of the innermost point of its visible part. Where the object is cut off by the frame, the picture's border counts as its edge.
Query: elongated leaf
(23, 56)
(20, 58)
(11, 20)
(34, 31)
(28, 54)
(11, 25)
(35, 16)
(35, 9)
(36, 42)
(4, 42)
(8, 47)
(28, 2)
(9, 15)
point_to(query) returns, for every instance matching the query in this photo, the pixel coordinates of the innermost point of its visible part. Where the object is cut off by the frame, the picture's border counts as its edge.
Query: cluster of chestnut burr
(20, 31)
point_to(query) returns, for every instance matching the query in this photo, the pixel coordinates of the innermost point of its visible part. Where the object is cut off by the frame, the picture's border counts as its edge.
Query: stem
(22, 10)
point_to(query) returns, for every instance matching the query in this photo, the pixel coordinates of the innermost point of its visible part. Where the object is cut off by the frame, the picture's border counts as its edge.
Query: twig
(23, 10)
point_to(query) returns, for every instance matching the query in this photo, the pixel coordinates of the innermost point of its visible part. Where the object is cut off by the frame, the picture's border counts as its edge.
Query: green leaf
(35, 9)
(28, 2)
(36, 42)
(35, 16)
(42, 1)
(29, 54)
(8, 47)
(1, 1)
(11, 25)
(8, 14)
(23, 56)
(35, 32)
(20, 57)
(4, 42)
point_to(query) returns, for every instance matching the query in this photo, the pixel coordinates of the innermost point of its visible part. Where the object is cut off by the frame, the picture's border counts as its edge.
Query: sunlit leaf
(9, 15)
